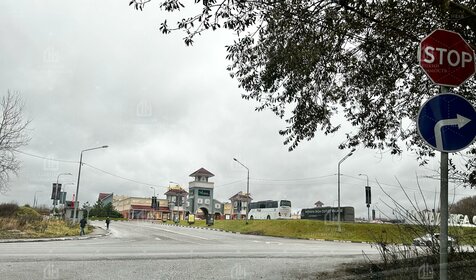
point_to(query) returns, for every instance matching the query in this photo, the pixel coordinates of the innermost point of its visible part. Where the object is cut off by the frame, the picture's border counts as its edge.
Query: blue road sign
(447, 122)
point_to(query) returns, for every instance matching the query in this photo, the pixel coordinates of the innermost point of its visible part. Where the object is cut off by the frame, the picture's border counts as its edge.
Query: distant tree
(309, 60)
(97, 210)
(101, 210)
(109, 211)
(465, 206)
(12, 136)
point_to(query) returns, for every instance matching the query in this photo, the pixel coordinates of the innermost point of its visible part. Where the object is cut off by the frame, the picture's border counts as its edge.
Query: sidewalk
(97, 232)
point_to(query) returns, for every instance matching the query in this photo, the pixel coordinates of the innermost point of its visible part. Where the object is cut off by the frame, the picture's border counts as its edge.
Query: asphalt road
(142, 250)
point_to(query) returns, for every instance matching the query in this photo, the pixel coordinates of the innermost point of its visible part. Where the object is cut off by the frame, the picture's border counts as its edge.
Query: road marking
(181, 233)
(272, 242)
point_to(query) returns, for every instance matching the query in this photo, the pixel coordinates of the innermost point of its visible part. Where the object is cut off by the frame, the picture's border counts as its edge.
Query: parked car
(429, 239)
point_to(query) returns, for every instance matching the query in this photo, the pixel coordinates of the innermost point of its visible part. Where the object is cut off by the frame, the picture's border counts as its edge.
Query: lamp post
(153, 189)
(366, 198)
(56, 191)
(75, 213)
(247, 189)
(338, 186)
(34, 198)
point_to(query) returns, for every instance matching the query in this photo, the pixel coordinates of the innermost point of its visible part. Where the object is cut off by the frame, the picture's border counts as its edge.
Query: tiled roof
(319, 203)
(103, 196)
(202, 172)
(240, 196)
(174, 191)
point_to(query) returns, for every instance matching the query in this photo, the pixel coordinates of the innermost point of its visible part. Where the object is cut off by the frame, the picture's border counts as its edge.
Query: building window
(174, 198)
(207, 201)
(199, 201)
(217, 206)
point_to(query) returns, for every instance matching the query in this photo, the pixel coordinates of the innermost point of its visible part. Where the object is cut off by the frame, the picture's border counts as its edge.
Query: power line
(120, 177)
(91, 166)
(396, 186)
(298, 179)
(231, 183)
(46, 158)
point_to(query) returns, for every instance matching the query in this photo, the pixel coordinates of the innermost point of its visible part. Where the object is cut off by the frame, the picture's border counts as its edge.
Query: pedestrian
(107, 222)
(82, 225)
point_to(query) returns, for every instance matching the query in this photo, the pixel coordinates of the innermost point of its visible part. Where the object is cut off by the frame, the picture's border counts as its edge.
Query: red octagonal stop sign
(446, 58)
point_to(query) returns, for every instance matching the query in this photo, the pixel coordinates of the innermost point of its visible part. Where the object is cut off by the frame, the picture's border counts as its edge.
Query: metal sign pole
(444, 217)
(444, 211)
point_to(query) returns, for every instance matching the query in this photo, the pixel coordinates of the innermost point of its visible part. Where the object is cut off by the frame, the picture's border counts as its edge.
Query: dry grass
(18, 228)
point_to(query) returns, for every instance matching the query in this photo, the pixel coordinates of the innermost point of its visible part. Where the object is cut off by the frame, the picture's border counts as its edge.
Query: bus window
(271, 204)
(285, 203)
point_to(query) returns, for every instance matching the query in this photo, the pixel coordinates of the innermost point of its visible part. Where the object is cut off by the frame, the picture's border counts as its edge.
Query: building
(106, 198)
(141, 208)
(240, 203)
(218, 210)
(200, 190)
(176, 198)
(68, 211)
(319, 204)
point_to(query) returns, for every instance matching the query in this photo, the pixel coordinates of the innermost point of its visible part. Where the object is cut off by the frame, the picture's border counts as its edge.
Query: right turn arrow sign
(447, 122)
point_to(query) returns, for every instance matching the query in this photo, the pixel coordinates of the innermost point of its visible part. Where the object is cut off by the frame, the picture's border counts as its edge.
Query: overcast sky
(96, 73)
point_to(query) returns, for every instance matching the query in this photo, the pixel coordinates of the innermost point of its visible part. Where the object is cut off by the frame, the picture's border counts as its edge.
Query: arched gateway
(200, 199)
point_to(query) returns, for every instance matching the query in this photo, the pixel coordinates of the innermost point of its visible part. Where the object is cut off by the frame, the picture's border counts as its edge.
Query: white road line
(181, 233)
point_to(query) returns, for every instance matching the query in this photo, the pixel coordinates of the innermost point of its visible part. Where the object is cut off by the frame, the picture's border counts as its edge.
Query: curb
(66, 238)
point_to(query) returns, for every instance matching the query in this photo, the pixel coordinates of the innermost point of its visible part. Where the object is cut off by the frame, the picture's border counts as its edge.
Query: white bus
(270, 210)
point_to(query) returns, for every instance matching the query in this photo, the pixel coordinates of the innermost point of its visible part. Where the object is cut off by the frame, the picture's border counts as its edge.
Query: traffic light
(368, 196)
(154, 203)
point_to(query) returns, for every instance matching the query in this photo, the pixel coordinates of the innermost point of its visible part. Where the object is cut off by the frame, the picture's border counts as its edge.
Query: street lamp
(247, 189)
(34, 198)
(153, 189)
(367, 198)
(338, 186)
(56, 191)
(172, 182)
(75, 213)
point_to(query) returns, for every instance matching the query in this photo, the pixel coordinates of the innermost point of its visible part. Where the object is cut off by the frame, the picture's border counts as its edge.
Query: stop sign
(446, 58)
